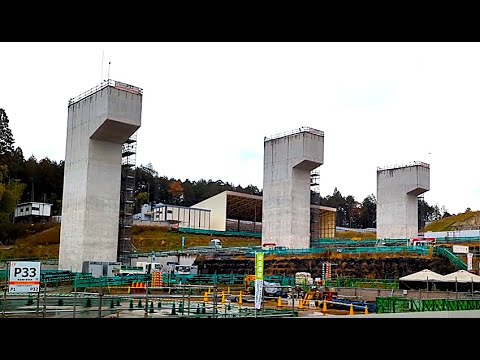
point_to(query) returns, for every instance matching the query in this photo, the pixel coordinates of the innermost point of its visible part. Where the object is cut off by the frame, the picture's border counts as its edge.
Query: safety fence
(46, 276)
(180, 304)
(55, 278)
(363, 283)
(86, 281)
(83, 281)
(220, 233)
(347, 250)
(329, 242)
(399, 305)
(332, 242)
(141, 283)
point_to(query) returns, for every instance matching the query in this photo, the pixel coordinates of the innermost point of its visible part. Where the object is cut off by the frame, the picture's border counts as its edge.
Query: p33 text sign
(24, 277)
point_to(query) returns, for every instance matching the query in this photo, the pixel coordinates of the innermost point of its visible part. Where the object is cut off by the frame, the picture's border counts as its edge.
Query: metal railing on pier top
(293, 132)
(399, 166)
(105, 83)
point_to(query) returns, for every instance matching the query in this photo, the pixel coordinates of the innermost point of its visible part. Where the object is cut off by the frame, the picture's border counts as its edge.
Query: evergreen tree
(6, 137)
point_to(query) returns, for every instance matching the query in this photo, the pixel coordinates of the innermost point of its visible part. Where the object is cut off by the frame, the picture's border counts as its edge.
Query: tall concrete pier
(288, 160)
(398, 188)
(99, 122)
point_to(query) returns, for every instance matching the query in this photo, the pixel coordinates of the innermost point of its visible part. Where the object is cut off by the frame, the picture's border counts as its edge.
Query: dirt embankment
(365, 268)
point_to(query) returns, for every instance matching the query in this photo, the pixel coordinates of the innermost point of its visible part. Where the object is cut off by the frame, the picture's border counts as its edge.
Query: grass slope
(41, 245)
(45, 244)
(451, 223)
(149, 238)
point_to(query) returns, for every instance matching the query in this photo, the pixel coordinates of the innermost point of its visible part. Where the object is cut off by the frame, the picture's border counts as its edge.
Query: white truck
(149, 267)
(142, 267)
(185, 269)
(215, 243)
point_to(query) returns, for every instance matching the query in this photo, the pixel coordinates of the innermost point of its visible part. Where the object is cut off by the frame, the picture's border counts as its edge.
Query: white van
(215, 243)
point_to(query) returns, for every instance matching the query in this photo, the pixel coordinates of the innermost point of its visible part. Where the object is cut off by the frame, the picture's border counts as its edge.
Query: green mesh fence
(398, 305)
(220, 233)
(220, 279)
(88, 281)
(363, 283)
(348, 250)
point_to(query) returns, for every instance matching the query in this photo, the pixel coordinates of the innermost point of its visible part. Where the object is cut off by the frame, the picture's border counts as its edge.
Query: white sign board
(469, 261)
(24, 277)
(258, 294)
(460, 249)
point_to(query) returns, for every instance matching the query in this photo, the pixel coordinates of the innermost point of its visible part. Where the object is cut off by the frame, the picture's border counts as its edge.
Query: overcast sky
(208, 106)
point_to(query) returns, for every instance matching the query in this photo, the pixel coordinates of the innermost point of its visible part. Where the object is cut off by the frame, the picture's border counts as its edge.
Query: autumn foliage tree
(175, 189)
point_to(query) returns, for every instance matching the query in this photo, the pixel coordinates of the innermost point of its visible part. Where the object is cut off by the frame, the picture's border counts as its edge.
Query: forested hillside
(41, 180)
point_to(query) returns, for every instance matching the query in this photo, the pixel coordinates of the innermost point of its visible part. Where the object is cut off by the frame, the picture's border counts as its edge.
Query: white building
(235, 211)
(174, 215)
(32, 210)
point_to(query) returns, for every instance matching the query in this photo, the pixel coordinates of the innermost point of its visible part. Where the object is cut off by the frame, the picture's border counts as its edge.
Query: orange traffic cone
(351, 309)
(205, 296)
(279, 302)
(240, 298)
(366, 310)
(324, 306)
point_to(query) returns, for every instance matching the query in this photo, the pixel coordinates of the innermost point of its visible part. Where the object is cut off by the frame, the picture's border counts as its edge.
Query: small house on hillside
(32, 212)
